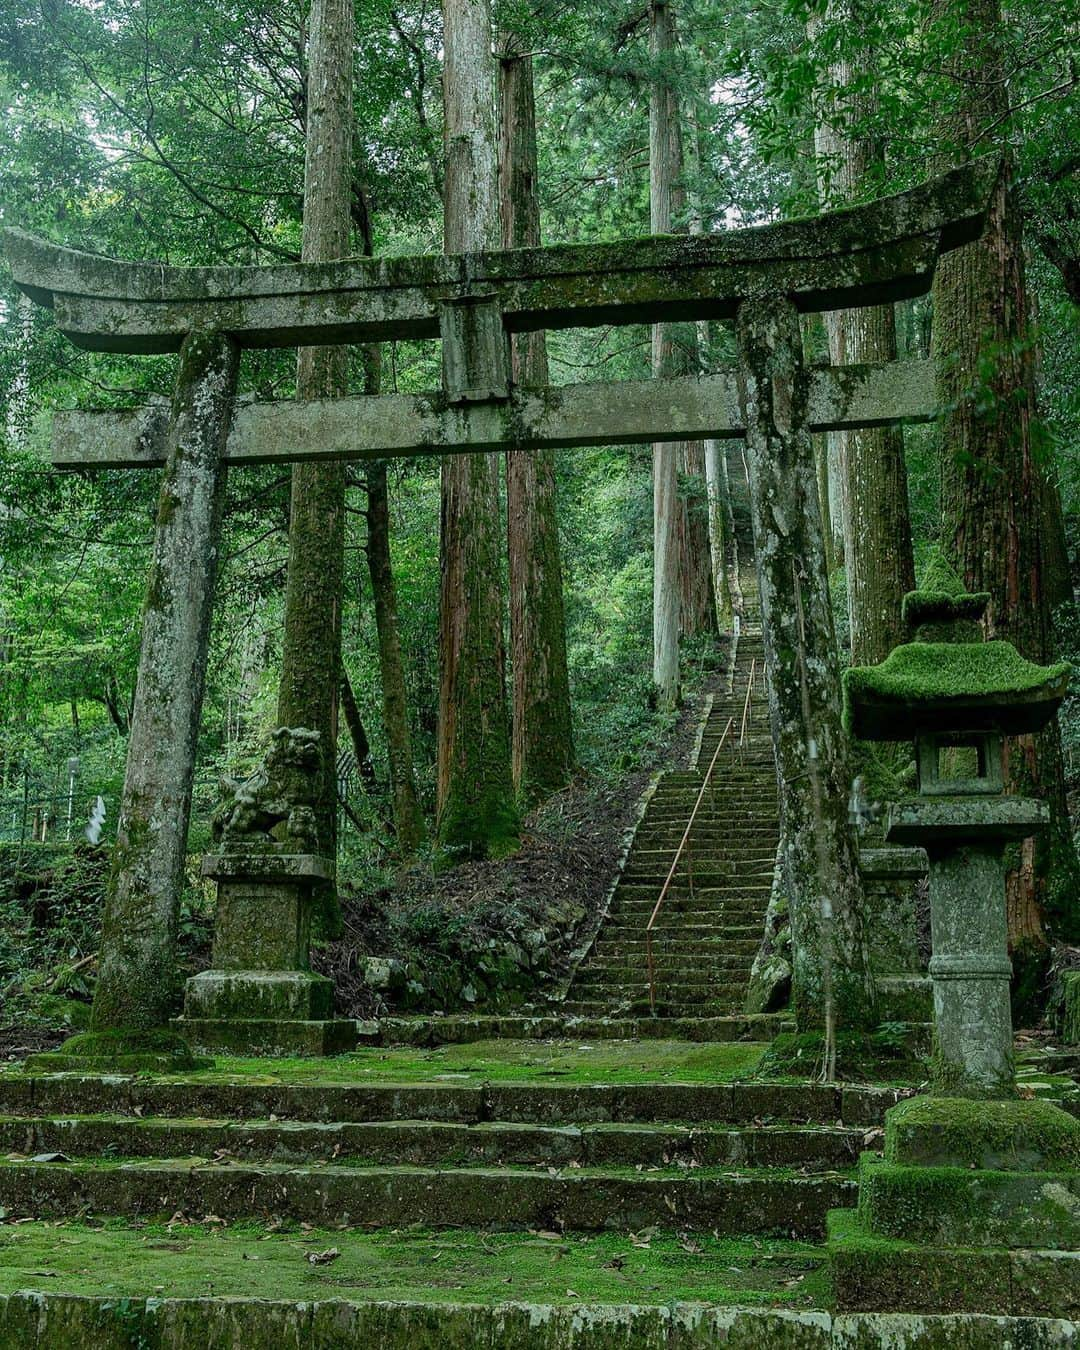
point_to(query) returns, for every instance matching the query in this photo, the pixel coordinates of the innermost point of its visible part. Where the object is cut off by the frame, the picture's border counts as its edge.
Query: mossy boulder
(988, 1135)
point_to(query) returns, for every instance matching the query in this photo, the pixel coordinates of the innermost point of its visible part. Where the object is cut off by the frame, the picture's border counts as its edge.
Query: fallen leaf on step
(50, 1157)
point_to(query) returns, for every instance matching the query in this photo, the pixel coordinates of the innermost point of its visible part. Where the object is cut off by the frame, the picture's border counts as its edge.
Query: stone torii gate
(763, 278)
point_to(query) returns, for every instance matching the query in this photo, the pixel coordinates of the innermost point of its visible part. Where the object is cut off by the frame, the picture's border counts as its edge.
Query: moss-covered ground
(183, 1260)
(625, 1062)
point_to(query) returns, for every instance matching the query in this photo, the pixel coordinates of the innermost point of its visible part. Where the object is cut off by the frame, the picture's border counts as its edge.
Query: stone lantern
(976, 1200)
(957, 697)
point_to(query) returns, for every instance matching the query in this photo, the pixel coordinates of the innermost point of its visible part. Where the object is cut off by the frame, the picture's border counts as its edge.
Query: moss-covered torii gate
(762, 278)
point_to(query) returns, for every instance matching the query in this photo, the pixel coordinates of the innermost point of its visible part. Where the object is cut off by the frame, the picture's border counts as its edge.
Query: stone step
(619, 965)
(756, 891)
(724, 992)
(726, 842)
(672, 999)
(53, 1096)
(757, 1201)
(736, 937)
(638, 1006)
(427, 1143)
(733, 905)
(724, 815)
(549, 1021)
(650, 874)
(674, 947)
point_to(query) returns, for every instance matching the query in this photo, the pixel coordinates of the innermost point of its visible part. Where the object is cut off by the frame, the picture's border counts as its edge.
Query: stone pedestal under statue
(976, 1201)
(260, 996)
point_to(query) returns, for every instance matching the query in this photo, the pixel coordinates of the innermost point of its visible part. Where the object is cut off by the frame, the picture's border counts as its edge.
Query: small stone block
(287, 995)
(272, 1038)
(871, 1274)
(1018, 1136)
(893, 864)
(970, 1207)
(1046, 1283)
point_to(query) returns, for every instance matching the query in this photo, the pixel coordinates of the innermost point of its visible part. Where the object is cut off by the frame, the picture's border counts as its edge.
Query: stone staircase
(759, 1158)
(710, 924)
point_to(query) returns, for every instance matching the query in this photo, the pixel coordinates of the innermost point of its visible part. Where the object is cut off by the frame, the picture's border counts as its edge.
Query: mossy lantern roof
(950, 684)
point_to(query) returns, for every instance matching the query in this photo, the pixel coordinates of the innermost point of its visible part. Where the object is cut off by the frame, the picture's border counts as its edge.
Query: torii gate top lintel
(868, 254)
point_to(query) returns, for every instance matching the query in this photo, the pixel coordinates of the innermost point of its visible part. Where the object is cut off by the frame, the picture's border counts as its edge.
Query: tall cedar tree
(477, 814)
(995, 500)
(543, 742)
(878, 558)
(663, 154)
(312, 650)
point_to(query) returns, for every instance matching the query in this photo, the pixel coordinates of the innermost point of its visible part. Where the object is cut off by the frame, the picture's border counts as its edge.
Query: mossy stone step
(645, 873)
(760, 1201)
(430, 1143)
(703, 987)
(872, 1274)
(619, 966)
(553, 1022)
(631, 950)
(56, 1095)
(752, 890)
(970, 1207)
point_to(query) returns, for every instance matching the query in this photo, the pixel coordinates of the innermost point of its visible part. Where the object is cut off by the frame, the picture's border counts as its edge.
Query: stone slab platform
(52, 1321)
(278, 1038)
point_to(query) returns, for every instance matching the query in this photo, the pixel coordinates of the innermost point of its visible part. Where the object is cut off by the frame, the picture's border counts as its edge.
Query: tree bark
(878, 558)
(663, 127)
(543, 740)
(477, 814)
(359, 737)
(311, 654)
(408, 816)
(716, 489)
(994, 492)
(137, 970)
(831, 972)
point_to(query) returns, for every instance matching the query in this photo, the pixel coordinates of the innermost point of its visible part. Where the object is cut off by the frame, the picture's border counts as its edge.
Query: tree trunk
(994, 492)
(137, 969)
(543, 744)
(831, 972)
(878, 557)
(663, 158)
(312, 647)
(697, 590)
(719, 509)
(359, 737)
(408, 816)
(477, 814)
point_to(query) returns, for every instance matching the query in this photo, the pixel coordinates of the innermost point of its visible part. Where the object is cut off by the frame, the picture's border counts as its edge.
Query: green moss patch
(121, 1052)
(896, 1054)
(992, 1135)
(509, 1061)
(949, 684)
(193, 1261)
